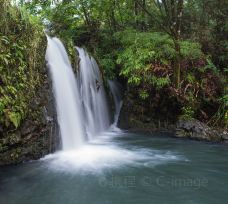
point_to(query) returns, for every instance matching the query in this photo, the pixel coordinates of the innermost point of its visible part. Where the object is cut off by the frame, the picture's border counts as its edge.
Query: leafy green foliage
(211, 66)
(140, 51)
(108, 65)
(187, 113)
(191, 50)
(137, 42)
(147, 57)
(143, 94)
(15, 118)
(20, 39)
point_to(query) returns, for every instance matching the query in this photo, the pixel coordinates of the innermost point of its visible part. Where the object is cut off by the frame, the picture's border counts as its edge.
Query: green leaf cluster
(21, 57)
(143, 54)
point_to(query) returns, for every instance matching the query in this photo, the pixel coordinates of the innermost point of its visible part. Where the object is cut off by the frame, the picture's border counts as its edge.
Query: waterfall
(66, 95)
(116, 88)
(92, 95)
(81, 104)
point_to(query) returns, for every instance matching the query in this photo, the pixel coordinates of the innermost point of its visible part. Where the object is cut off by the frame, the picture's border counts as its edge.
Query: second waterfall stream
(93, 97)
(81, 102)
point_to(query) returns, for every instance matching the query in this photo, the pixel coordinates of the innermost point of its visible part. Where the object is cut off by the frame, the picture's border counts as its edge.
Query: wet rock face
(197, 130)
(137, 114)
(225, 136)
(38, 134)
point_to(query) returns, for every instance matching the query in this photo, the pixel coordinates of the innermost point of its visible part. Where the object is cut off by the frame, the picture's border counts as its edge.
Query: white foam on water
(103, 153)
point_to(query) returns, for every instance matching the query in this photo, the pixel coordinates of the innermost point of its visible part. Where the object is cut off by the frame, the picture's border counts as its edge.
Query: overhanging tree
(170, 19)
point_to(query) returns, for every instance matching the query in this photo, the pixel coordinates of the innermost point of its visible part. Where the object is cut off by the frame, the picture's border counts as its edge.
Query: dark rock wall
(148, 115)
(38, 134)
(138, 115)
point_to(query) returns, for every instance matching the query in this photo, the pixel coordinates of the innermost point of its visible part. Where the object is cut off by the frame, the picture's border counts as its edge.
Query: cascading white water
(81, 102)
(66, 95)
(92, 94)
(116, 88)
(82, 109)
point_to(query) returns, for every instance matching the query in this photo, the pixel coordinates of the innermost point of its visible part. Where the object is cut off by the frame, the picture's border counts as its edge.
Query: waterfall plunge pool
(122, 168)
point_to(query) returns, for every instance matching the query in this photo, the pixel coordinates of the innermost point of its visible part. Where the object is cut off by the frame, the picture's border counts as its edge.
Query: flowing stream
(100, 165)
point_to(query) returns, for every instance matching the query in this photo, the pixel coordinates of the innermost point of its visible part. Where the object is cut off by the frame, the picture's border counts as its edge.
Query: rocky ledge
(194, 129)
(37, 135)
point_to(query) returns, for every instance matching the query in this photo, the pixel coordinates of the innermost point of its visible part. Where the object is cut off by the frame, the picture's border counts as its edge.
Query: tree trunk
(177, 64)
(86, 15)
(143, 21)
(136, 14)
(112, 16)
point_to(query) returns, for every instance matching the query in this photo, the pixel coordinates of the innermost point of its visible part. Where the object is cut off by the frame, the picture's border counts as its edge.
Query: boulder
(224, 135)
(194, 129)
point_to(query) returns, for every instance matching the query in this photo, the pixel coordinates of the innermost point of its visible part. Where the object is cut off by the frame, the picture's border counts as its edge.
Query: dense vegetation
(21, 59)
(25, 94)
(171, 55)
